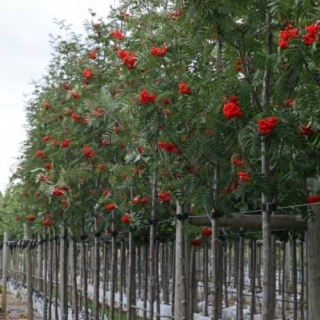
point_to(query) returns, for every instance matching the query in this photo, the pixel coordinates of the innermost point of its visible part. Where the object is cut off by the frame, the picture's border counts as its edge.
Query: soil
(16, 309)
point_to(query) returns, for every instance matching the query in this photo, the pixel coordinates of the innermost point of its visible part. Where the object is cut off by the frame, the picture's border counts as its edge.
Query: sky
(25, 26)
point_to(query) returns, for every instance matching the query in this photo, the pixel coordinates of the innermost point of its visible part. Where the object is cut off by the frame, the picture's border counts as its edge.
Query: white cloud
(25, 53)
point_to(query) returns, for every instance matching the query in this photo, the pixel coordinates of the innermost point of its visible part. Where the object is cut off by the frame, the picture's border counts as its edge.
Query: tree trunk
(180, 301)
(39, 263)
(64, 272)
(294, 277)
(205, 278)
(157, 282)
(145, 280)
(27, 255)
(96, 283)
(45, 275)
(192, 283)
(313, 241)
(267, 308)
(131, 291)
(302, 253)
(84, 274)
(122, 279)
(151, 285)
(214, 269)
(113, 269)
(73, 267)
(55, 266)
(253, 277)
(283, 307)
(105, 271)
(5, 265)
(240, 284)
(139, 270)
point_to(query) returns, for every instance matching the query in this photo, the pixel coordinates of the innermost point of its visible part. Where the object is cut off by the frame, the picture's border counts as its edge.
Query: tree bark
(240, 284)
(84, 274)
(253, 277)
(27, 255)
(180, 301)
(96, 283)
(64, 272)
(313, 241)
(73, 253)
(151, 289)
(267, 310)
(5, 265)
(113, 269)
(131, 292)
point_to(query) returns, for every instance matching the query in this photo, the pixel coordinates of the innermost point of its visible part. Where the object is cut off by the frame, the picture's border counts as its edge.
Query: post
(5, 261)
(27, 256)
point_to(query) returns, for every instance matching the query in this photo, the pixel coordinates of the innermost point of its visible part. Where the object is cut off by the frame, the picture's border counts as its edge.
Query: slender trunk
(180, 301)
(145, 281)
(165, 277)
(240, 285)
(294, 277)
(157, 282)
(63, 272)
(288, 259)
(122, 280)
(27, 255)
(84, 273)
(96, 282)
(214, 262)
(73, 268)
(302, 252)
(205, 278)
(230, 269)
(273, 259)
(105, 270)
(5, 265)
(151, 246)
(131, 291)
(236, 262)
(39, 263)
(259, 263)
(139, 269)
(225, 273)
(313, 240)
(174, 280)
(50, 275)
(220, 276)
(253, 278)
(55, 266)
(267, 308)
(216, 290)
(192, 283)
(113, 269)
(45, 275)
(283, 308)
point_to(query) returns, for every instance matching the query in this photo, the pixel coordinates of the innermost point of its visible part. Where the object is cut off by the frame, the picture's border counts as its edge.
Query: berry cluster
(285, 35)
(312, 33)
(231, 108)
(266, 125)
(146, 98)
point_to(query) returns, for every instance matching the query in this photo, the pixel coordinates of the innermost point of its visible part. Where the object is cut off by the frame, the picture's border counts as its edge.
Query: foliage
(115, 107)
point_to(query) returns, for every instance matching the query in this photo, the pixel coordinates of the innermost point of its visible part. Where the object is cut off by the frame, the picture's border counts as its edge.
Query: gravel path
(16, 309)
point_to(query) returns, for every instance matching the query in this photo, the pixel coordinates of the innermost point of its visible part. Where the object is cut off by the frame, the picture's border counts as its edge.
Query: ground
(16, 309)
